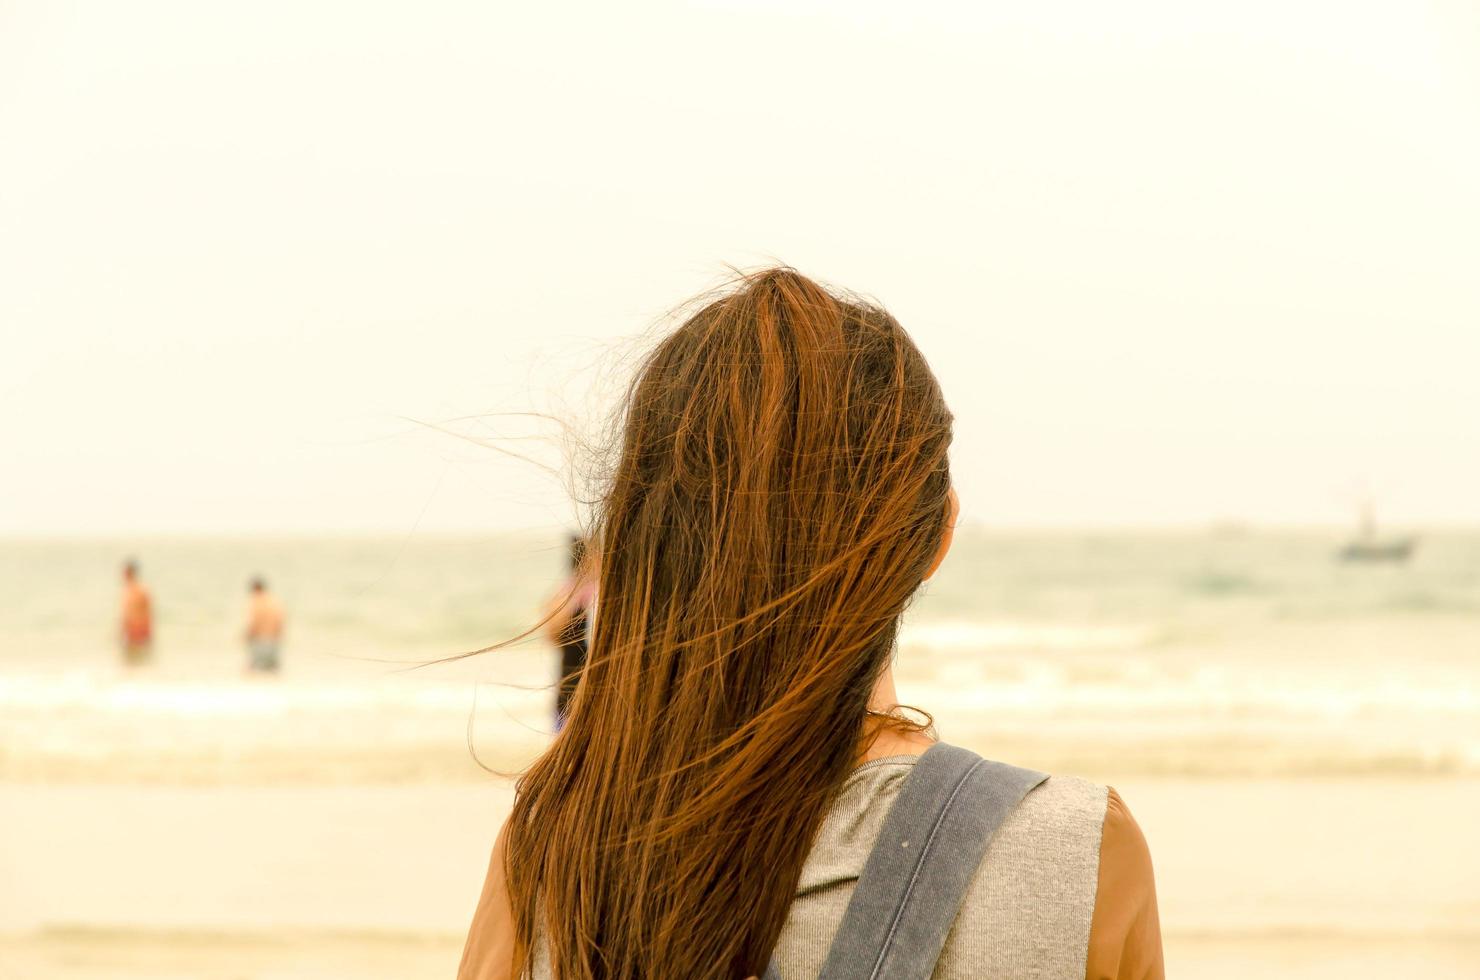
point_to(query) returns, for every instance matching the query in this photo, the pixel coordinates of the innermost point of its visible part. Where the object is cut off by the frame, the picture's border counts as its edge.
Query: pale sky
(1173, 262)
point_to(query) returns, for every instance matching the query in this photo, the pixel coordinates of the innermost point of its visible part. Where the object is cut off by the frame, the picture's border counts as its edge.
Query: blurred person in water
(136, 619)
(264, 628)
(567, 622)
(737, 791)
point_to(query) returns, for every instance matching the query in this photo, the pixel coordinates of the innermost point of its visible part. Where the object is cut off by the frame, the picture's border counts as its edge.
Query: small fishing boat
(1367, 546)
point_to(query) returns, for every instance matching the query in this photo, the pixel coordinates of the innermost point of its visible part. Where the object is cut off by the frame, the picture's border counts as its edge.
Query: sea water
(1113, 654)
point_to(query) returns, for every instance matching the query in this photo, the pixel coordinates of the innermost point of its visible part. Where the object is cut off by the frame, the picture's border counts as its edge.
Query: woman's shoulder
(1125, 938)
(1123, 846)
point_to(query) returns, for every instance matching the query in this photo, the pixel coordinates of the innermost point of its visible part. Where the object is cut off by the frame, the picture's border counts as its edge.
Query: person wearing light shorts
(263, 655)
(264, 629)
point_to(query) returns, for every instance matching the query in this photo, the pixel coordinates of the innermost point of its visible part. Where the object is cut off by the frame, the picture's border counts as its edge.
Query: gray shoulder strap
(927, 853)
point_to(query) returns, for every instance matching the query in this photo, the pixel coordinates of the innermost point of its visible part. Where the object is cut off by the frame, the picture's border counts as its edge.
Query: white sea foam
(1146, 714)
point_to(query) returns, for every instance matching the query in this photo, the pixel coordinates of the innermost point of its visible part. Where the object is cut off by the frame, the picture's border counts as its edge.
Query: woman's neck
(881, 740)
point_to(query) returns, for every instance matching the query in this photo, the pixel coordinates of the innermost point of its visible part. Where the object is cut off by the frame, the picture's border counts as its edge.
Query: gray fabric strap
(926, 856)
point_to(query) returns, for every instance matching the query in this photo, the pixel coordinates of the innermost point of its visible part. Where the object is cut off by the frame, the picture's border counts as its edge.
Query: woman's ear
(953, 511)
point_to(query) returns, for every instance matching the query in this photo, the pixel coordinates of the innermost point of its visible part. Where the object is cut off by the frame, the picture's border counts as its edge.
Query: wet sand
(1279, 878)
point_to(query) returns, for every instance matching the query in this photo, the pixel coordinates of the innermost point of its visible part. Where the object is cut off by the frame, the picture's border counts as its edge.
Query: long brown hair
(778, 495)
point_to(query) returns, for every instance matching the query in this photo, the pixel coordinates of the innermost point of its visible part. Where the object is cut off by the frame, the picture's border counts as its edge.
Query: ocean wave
(1097, 698)
(82, 729)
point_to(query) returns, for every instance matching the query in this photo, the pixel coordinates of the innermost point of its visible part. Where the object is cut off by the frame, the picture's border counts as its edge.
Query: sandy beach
(1377, 878)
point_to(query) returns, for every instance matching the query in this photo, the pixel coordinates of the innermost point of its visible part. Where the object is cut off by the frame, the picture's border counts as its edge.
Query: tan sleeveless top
(1065, 890)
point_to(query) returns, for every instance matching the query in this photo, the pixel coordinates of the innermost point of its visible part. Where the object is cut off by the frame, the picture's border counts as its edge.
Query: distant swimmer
(264, 628)
(136, 620)
(569, 613)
